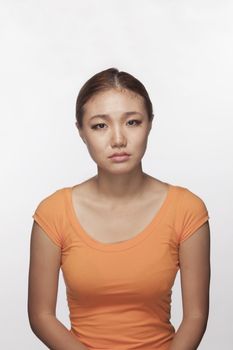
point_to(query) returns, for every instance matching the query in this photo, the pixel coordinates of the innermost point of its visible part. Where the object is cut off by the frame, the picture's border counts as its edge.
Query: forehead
(113, 100)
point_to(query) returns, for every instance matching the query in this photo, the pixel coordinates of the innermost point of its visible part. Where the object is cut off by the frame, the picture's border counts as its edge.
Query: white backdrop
(182, 51)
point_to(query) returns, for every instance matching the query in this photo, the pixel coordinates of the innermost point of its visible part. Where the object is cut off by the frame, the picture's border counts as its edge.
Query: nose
(118, 138)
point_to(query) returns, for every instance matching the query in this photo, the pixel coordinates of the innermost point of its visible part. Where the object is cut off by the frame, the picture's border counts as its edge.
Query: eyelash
(132, 120)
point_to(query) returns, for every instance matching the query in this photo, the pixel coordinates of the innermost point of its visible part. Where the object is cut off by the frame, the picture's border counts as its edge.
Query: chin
(119, 169)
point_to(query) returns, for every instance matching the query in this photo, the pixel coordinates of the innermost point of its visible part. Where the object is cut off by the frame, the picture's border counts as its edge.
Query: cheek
(96, 146)
(139, 145)
(139, 140)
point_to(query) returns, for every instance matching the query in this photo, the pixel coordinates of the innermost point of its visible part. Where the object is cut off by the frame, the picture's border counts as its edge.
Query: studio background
(182, 52)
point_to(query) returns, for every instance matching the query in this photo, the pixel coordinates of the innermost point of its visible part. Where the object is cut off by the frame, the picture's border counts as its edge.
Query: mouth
(120, 157)
(122, 154)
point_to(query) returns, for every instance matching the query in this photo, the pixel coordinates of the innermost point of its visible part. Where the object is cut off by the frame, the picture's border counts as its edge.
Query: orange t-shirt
(119, 294)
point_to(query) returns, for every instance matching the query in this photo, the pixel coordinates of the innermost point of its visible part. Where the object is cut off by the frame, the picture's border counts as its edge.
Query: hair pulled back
(108, 79)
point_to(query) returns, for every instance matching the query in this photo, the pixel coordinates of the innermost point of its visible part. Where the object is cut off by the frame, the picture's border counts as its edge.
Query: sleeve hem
(194, 228)
(46, 229)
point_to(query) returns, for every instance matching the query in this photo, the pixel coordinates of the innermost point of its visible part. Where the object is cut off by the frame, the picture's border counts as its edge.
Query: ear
(150, 126)
(80, 131)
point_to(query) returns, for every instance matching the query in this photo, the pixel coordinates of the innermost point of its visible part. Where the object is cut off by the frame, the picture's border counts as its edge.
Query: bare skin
(107, 221)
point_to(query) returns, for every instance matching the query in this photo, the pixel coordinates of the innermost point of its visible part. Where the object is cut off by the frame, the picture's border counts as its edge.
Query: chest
(111, 225)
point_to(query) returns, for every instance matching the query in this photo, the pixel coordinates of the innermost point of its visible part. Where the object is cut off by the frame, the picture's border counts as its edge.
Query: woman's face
(115, 121)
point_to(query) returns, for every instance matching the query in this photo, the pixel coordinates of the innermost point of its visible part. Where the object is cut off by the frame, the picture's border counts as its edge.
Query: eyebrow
(106, 116)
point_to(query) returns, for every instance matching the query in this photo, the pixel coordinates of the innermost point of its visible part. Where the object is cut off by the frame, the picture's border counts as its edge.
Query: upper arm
(44, 269)
(194, 257)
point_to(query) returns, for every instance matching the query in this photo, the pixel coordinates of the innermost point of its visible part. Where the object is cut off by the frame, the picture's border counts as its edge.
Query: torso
(108, 225)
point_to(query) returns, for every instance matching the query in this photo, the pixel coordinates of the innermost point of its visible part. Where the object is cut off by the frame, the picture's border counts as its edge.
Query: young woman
(119, 238)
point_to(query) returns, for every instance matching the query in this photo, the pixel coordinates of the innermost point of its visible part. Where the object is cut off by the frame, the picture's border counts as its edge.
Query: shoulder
(191, 212)
(50, 215)
(189, 198)
(53, 197)
(85, 191)
(156, 186)
(52, 205)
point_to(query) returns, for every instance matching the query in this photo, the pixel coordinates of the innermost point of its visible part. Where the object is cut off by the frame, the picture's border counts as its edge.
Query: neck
(120, 187)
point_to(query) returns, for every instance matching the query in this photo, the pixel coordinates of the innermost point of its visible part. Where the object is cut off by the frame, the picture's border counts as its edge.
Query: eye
(135, 120)
(96, 126)
(101, 125)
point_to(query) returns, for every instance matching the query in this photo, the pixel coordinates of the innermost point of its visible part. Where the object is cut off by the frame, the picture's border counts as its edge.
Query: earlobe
(82, 137)
(80, 132)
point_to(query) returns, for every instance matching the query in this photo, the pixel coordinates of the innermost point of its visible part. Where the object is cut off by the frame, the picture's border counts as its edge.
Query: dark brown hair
(108, 79)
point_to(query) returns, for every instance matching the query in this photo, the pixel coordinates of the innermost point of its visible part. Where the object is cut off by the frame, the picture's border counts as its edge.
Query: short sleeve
(192, 214)
(48, 216)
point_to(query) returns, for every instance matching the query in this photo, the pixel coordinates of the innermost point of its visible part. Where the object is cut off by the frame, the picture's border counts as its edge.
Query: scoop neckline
(122, 245)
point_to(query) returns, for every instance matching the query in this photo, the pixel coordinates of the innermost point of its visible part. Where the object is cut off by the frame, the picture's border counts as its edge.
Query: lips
(119, 154)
